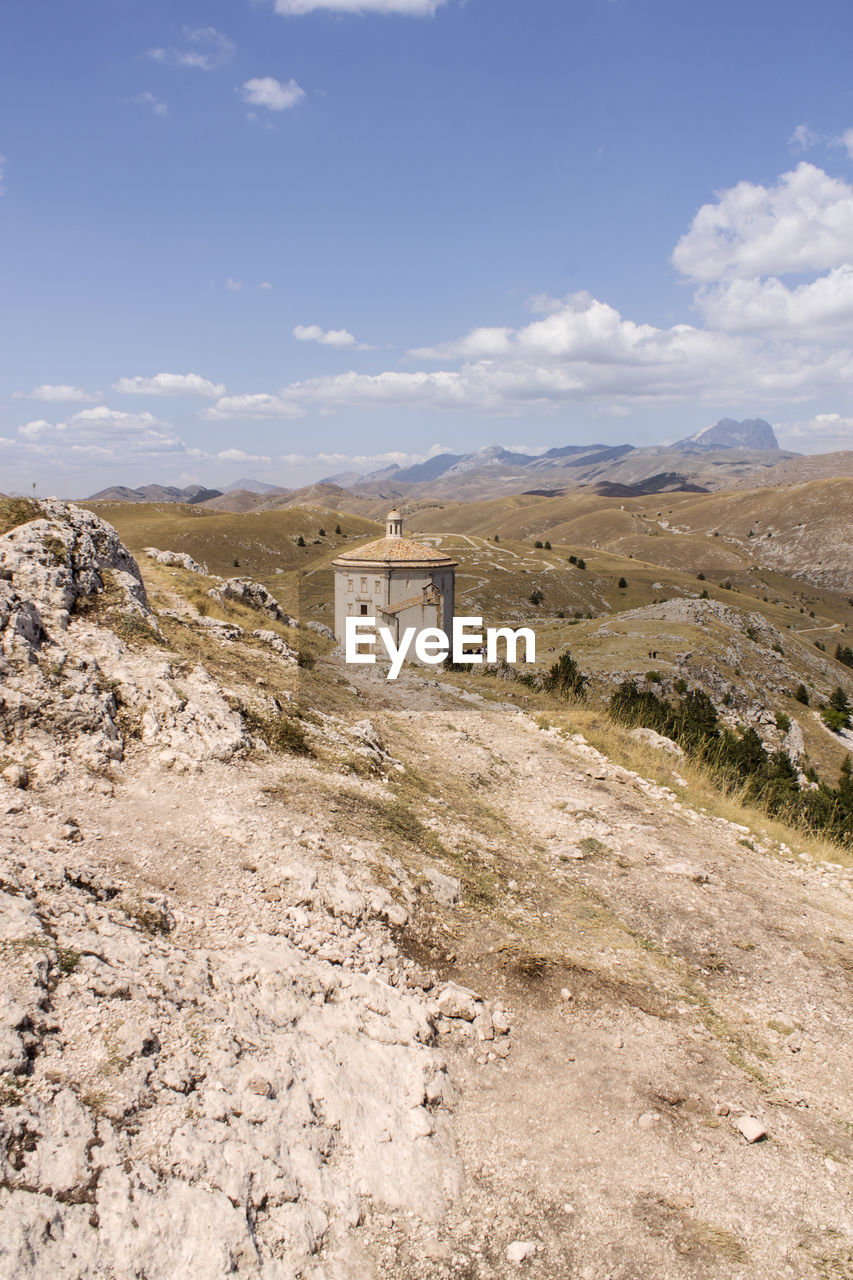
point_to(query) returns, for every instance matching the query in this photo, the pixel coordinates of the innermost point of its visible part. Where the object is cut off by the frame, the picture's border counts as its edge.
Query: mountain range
(730, 454)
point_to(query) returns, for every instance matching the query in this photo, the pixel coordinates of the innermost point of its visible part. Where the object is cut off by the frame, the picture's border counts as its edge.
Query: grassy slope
(496, 579)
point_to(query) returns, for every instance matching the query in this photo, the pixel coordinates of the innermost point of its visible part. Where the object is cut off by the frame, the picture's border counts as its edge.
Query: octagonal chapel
(400, 582)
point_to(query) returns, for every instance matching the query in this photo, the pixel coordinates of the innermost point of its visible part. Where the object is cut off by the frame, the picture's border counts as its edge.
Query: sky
(291, 238)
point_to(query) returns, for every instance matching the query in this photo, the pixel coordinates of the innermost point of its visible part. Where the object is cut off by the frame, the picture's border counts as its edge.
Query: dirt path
(668, 975)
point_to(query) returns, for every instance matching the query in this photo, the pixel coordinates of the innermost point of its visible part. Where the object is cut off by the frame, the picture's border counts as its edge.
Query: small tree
(573, 559)
(801, 694)
(497, 537)
(622, 584)
(300, 541)
(538, 545)
(536, 596)
(321, 533)
(844, 654)
(581, 563)
(836, 713)
(547, 546)
(564, 678)
(338, 530)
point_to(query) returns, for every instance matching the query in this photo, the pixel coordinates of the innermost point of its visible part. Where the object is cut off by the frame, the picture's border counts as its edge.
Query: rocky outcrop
(176, 559)
(234, 1108)
(67, 556)
(253, 594)
(82, 670)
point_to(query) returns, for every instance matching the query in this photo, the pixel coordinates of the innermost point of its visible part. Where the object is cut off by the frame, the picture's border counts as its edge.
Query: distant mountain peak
(751, 433)
(252, 486)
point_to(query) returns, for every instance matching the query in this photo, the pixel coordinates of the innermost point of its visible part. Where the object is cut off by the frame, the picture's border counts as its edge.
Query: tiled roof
(402, 605)
(395, 550)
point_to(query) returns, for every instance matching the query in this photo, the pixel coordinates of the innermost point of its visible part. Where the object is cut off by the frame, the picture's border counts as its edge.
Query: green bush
(622, 584)
(739, 760)
(801, 694)
(565, 679)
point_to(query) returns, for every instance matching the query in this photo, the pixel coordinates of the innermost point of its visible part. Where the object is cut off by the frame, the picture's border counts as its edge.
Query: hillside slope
(391, 980)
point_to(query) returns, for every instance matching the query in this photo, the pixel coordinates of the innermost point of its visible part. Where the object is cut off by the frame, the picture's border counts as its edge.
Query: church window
(349, 584)
(364, 584)
(362, 608)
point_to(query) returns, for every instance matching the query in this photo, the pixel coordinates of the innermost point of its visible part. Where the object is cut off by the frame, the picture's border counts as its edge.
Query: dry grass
(17, 511)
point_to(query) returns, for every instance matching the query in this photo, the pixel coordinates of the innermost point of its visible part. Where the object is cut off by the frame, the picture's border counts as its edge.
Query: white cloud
(103, 433)
(360, 461)
(265, 284)
(825, 431)
(237, 455)
(803, 138)
(846, 141)
(59, 393)
(210, 49)
(328, 337)
(147, 99)
(258, 405)
(803, 224)
(409, 8)
(233, 286)
(271, 93)
(822, 306)
(170, 384)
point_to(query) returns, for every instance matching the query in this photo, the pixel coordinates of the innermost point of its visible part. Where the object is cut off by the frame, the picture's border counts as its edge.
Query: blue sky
(286, 238)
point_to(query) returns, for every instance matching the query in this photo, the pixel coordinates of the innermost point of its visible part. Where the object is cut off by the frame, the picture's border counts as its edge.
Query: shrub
(283, 733)
(783, 722)
(573, 559)
(300, 541)
(338, 530)
(536, 596)
(701, 577)
(538, 545)
(727, 586)
(565, 679)
(739, 760)
(581, 563)
(654, 677)
(236, 564)
(321, 533)
(497, 537)
(547, 546)
(705, 594)
(621, 584)
(839, 701)
(834, 720)
(801, 694)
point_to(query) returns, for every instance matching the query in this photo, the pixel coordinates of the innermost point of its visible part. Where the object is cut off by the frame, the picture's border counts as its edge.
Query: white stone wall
(365, 592)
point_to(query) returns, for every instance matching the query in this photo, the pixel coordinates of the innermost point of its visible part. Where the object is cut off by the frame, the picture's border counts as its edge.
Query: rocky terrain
(306, 975)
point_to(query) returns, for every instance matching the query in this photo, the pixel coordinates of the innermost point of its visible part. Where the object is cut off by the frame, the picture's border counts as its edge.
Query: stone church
(399, 582)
